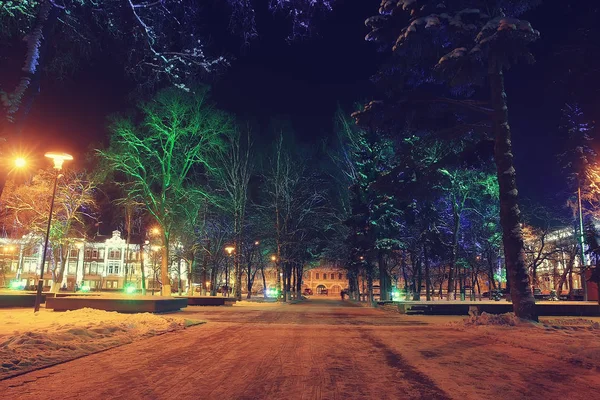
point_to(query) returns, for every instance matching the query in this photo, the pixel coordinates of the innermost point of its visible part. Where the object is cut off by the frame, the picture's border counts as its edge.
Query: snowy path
(326, 349)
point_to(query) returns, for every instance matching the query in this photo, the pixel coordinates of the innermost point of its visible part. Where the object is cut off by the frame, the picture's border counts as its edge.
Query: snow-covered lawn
(30, 341)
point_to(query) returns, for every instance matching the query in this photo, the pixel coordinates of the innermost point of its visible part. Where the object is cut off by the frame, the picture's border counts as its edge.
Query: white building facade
(105, 264)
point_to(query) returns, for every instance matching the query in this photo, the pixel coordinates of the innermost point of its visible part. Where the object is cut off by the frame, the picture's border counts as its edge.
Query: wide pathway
(318, 349)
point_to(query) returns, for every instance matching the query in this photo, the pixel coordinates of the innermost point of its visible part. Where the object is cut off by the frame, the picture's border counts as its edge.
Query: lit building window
(114, 254)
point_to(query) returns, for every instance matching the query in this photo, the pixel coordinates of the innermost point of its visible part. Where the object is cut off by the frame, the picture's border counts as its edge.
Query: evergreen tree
(460, 44)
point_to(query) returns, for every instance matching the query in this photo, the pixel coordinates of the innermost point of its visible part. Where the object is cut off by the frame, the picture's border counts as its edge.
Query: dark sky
(305, 80)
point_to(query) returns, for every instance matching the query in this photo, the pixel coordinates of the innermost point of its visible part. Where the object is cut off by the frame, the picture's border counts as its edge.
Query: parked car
(307, 292)
(325, 292)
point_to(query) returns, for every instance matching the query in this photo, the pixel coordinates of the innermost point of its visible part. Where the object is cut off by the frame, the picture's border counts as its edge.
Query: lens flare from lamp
(17, 285)
(130, 289)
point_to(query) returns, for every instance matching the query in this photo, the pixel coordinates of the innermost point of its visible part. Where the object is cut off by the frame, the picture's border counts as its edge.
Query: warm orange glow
(273, 258)
(257, 243)
(59, 158)
(155, 231)
(229, 249)
(20, 162)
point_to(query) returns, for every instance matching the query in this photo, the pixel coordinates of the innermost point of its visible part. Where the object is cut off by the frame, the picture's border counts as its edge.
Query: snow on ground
(30, 341)
(574, 341)
(329, 349)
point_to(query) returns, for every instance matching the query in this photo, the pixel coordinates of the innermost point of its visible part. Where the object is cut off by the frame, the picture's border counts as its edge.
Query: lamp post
(59, 159)
(229, 250)
(277, 273)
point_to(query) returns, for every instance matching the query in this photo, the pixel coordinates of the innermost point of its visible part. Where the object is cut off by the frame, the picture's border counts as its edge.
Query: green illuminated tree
(177, 140)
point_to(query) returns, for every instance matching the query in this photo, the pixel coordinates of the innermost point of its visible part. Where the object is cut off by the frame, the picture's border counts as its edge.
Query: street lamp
(20, 162)
(58, 159)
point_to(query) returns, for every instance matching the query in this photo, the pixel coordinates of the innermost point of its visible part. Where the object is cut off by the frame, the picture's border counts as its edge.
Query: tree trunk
(369, 274)
(427, 277)
(289, 281)
(405, 277)
(190, 274)
(143, 268)
(454, 251)
(418, 281)
(384, 279)
(164, 268)
(299, 274)
(179, 276)
(510, 215)
(264, 280)
(284, 288)
(491, 271)
(237, 268)
(59, 273)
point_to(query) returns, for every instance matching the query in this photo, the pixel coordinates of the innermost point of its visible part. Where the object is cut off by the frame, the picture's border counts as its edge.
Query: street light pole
(229, 250)
(58, 162)
(38, 294)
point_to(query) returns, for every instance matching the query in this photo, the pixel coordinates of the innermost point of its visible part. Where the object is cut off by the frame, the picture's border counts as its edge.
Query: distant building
(106, 263)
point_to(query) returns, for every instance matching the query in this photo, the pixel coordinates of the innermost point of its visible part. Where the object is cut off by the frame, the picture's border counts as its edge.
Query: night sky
(305, 80)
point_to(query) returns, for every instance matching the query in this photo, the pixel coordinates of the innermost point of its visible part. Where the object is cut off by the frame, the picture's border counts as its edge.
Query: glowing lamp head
(20, 162)
(59, 158)
(273, 258)
(130, 289)
(229, 249)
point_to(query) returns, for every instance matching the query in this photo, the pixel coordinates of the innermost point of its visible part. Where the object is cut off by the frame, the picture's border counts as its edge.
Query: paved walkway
(318, 349)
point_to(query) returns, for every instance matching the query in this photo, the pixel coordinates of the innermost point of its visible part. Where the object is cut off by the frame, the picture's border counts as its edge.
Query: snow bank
(510, 319)
(30, 341)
